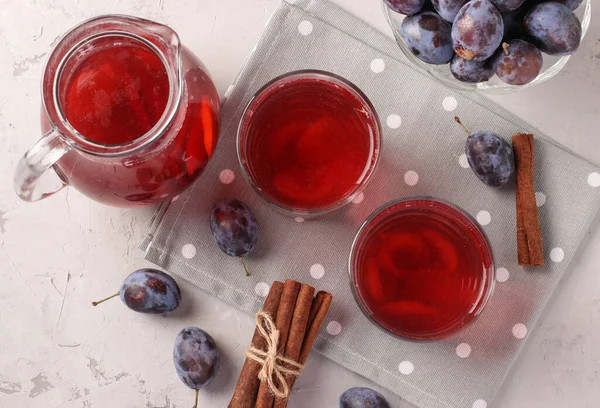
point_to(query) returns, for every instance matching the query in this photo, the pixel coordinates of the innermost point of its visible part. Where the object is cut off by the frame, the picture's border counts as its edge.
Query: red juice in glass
(309, 142)
(115, 92)
(421, 268)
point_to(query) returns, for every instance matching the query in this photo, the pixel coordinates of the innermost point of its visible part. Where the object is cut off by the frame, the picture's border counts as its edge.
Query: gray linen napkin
(422, 155)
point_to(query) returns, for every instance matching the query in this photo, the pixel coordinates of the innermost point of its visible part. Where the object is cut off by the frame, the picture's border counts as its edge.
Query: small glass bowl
(270, 90)
(552, 64)
(430, 286)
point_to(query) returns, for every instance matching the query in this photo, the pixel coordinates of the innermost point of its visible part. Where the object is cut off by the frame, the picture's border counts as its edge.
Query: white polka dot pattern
(227, 176)
(450, 104)
(557, 255)
(305, 28)
(594, 180)
(334, 328)
(262, 289)
(394, 121)
(540, 199)
(378, 66)
(188, 251)
(411, 178)
(406, 367)
(502, 275)
(317, 271)
(359, 198)
(484, 217)
(480, 404)
(463, 350)
(519, 330)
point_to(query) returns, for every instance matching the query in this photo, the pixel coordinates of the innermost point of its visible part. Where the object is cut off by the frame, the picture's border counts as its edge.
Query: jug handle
(29, 181)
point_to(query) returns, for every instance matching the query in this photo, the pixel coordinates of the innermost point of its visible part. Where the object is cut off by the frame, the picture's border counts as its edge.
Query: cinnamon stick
(246, 389)
(297, 332)
(321, 306)
(283, 323)
(319, 309)
(529, 235)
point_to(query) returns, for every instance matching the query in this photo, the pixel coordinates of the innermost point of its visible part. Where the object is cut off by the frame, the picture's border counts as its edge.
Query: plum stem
(457, 119)
(244, 266)
(196, 403)
(104, 300)
(505, 47)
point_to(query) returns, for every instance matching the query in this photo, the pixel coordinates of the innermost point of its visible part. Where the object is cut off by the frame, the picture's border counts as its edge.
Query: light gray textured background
(427, 143)
(57, 351)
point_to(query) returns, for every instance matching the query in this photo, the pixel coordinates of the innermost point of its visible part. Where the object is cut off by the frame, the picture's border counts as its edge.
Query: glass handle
(33, 181)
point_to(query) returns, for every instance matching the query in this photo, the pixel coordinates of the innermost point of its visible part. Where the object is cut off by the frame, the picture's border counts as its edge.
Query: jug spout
(164, 38)
(168, 36)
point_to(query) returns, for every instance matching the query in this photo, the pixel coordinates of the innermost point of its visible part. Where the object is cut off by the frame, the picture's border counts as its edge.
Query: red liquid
(114, 95)
(423, 273)
(309, 142)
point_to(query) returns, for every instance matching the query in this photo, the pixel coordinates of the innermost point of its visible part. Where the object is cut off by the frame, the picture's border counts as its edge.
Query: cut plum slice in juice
(195, 152)
(315, 145)
(444, 252)
(281, 145)
(373, 280)
(209, 136)
(403, 253)
(298, 186)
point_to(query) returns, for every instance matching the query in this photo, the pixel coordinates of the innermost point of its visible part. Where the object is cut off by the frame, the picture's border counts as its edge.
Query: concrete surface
(58, 255)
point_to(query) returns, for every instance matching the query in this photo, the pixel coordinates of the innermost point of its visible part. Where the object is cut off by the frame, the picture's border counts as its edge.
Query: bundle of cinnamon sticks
(298, 315)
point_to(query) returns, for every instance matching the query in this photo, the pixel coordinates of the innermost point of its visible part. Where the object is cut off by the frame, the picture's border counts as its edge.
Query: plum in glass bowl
(531, 40)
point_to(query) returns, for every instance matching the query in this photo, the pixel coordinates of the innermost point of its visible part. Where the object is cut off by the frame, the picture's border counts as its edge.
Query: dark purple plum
(491, 158)
(507, 5)
(407, 7)
(362, 398)
(149, 291)
(553, 28)
(448, 9)
(234, 228)
(427, 35)
(477, 30)
(196, 358)
(518, 62)
(471, 71)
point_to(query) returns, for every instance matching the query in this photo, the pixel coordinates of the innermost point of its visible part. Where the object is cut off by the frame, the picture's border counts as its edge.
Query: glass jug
(130, 117)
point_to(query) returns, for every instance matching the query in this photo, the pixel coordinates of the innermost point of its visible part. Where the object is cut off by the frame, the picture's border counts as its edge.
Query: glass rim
(370, 166)
(125, 26)
(453, 330)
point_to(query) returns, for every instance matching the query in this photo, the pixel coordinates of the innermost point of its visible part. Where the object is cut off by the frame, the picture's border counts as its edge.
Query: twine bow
(274, 366)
